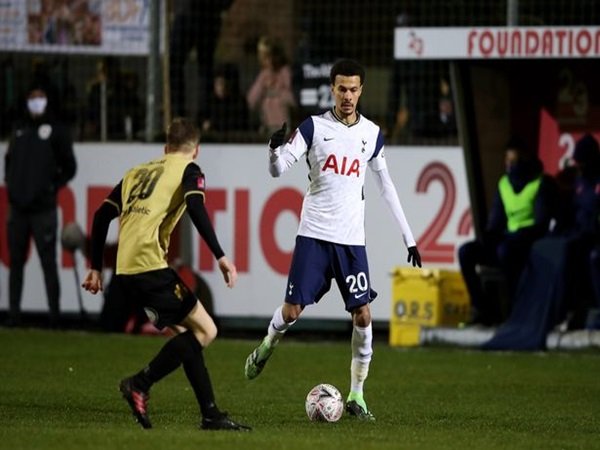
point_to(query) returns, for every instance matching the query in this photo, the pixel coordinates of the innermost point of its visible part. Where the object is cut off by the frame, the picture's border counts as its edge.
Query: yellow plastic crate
(425, 297)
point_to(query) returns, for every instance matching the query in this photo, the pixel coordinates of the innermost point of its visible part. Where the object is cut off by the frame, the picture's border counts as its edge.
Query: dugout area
(549, 102)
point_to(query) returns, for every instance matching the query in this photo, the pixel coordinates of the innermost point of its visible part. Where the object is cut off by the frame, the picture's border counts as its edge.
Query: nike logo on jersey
(328, 139)
(361, 295)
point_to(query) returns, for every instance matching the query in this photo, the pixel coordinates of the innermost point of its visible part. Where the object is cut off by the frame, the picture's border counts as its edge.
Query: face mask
(37, 105)
(515, 169)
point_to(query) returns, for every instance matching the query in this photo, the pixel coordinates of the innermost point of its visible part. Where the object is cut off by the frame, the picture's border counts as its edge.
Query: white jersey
(337, 156)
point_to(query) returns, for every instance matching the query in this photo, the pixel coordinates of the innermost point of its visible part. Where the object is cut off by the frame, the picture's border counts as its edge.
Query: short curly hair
(349, 68)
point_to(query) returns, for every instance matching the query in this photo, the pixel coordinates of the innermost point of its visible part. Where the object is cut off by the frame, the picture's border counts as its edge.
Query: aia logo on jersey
(200, 182)
(343, 166)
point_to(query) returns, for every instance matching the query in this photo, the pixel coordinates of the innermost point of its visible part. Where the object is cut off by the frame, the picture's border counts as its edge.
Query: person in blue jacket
(584, 232)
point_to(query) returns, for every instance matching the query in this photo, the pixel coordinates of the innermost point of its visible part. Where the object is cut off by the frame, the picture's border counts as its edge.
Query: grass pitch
(58, 390)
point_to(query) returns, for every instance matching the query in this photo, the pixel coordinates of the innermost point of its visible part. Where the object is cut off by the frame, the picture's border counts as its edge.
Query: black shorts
(161, 293)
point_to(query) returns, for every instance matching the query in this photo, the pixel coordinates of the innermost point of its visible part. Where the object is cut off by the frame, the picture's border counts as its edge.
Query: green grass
(59, 390)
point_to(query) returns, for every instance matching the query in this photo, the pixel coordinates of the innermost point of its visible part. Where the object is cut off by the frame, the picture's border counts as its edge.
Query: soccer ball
(324, 403)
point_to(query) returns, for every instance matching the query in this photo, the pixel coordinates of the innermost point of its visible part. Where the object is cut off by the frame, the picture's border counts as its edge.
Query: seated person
(584, 232)
(555, 286)
(520, 214)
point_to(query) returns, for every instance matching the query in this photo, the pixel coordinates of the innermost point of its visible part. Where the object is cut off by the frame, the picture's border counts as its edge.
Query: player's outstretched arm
(388, 191)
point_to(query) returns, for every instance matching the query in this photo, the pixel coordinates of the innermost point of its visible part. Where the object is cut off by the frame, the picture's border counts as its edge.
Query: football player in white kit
(338, 146)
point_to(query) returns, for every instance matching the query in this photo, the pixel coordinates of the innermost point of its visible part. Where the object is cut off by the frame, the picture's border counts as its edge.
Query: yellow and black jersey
(149, 202)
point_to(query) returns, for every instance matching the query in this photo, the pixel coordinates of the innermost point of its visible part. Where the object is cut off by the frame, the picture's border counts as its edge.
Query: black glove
(414, 256)
(278, 137)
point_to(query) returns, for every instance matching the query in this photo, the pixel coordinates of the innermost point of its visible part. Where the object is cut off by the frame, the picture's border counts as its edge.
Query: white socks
(362, 350)
(277, 327)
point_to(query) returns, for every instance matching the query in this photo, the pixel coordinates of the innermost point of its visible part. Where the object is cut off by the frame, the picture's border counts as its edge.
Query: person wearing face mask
(38, 162)
(520, 214)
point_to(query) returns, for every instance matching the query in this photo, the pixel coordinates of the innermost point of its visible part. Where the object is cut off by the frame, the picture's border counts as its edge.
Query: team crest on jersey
(44, 131)
(180, 291)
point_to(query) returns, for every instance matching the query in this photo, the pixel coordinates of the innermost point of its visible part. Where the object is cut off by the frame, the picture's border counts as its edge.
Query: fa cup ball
(324, 403)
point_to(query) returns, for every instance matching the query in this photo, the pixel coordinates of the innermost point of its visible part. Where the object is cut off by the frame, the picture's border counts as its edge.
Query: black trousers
(42, 226)
(509, 255)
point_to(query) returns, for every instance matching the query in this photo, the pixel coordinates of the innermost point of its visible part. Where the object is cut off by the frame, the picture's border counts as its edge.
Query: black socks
(197, 375)
(182, 349)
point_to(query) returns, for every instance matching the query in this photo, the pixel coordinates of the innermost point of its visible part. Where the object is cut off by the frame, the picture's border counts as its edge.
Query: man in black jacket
(38, 162)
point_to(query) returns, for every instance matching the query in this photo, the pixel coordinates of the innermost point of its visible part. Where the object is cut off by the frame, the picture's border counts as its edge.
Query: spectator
(228, 108)
(196, 26)
(555, 285)
(420, 101)
(445, 125)
(41, 76)
(584, 289)
(96, 89)
(521, 214)
(117, 91)
(271, 91)
(39, 161)
(130, 115)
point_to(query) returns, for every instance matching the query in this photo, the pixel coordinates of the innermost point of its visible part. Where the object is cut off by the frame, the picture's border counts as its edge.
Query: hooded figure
(586, 201)
(587, 155)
